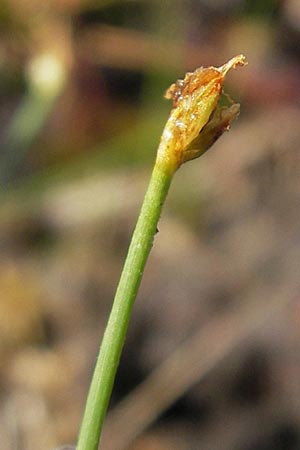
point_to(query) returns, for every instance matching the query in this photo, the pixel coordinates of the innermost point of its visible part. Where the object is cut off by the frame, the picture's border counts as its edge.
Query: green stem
(195, 99)
(114, 336)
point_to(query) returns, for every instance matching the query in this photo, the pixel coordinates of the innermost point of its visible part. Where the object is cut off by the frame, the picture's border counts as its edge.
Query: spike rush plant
(195, 122)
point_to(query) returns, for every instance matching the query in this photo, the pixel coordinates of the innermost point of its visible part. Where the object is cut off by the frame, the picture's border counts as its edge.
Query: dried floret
(196, 111)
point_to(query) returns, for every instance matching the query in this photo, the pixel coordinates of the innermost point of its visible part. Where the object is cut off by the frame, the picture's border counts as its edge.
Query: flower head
(196, 121)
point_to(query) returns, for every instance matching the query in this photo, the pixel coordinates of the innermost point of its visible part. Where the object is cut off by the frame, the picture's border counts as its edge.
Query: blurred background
(212, 358)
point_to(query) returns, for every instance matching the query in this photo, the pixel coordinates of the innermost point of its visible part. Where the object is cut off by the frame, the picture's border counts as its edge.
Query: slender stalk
(194, 124)
(46, 79)
(114, 336)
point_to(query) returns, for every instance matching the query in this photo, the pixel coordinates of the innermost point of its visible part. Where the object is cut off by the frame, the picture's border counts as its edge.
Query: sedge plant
(196, 121)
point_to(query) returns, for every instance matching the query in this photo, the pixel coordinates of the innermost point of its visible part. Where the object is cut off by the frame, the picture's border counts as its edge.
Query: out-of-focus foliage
(81, 112)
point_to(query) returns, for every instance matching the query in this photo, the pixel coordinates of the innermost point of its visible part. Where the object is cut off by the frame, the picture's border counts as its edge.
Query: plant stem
(193, 126)
(114, 336)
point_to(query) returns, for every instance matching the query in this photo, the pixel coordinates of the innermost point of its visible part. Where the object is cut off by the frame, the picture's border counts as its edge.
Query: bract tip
(239, 60)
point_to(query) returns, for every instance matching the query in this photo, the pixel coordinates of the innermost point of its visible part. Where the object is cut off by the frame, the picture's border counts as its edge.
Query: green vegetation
(194, 124)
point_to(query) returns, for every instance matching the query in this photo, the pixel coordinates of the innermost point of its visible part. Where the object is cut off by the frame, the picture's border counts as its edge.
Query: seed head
(196, 121)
